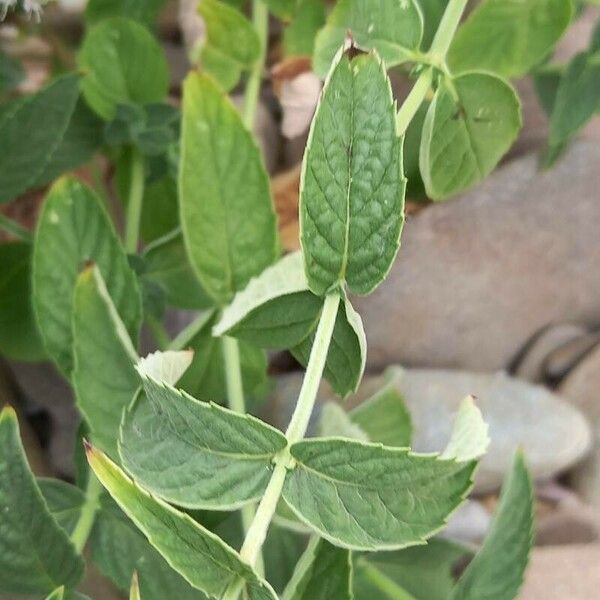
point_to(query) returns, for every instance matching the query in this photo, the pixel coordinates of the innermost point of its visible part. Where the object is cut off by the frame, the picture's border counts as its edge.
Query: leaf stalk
(134, 202)
(84, 524)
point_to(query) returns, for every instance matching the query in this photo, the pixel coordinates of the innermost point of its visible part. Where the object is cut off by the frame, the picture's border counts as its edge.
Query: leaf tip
(8, 413)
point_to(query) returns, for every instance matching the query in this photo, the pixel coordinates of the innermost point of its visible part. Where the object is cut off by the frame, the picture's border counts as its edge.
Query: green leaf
(206, 376)
(385, 418)
(63, 500)
(546, 82)
(36, 556)
(200, 556)
(347, 352)
(119, 549)
(281, 552)
(415, 188)
(160, 212)
(151, 128)
(123, 64)
(276, 309)
(19, 337)
(134, 591)
(167, 265)
(227, 215)
(81, 140)
(334, 421)
(104, 378)
(299, 36)
(577, 97)
(282, 9)
(45, 116)
(421, 572)
(145, 11)
(324, 572)
(57, 594)
(370, 497)
(509, 37)
(497, 570)
(352, 188)
(391, 27)
(74, 228)
(11, 73)
(471, 122)
(231, 44)
(432, 15)
(469, 439)
(196, 454)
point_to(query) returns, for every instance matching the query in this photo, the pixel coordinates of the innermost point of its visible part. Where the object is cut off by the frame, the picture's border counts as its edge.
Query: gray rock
(553, 434)
(582, 387)
(563, 359)
(559, 572)
(469, 523)
(477, 277)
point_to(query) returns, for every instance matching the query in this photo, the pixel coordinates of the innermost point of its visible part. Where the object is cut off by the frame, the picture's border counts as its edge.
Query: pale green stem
(84, 524)
(185, 336)
(260, 17)
(297, 428)
(15, 229)
(314, 371)
(413, 101)
(383, 583)
(302, 566)
(235, 396)
(437, 56)
(447, 28)
(134, 202)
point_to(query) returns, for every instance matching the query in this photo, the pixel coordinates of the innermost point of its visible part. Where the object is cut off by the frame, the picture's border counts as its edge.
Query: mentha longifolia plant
(187, 496)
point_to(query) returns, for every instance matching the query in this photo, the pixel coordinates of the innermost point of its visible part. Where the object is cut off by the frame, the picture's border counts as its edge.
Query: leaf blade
(227, 215)
(352, 187)
(200, 556)
(362, 496)
(27, 528)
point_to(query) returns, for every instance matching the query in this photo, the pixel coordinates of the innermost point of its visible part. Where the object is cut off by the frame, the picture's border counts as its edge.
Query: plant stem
(84, 524)
(134, 202)
(235, 397)
(447, 28)
(413, 101)
(15, 229)
(437, 56)
(314, 371)
(297, 428)
(383, 583)
(260, 17)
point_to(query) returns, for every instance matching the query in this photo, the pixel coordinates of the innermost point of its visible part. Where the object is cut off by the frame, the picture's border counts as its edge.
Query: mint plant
(189, 495)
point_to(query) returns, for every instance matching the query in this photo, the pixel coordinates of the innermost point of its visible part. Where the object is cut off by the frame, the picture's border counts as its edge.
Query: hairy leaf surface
(200, 556)
(471, 122)
(392, 27)
(352, 187)
(196, 454)
(227, 215)
(509, 37)
(123, 64)
(497, 569)
(74, 228)
(36, 556)
(370, 497)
